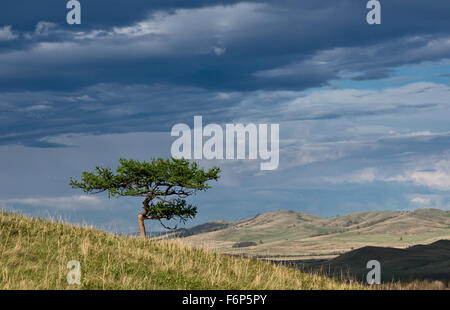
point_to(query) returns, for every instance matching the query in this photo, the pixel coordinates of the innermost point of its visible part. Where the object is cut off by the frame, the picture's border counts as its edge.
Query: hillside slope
(34, 254)
(300, 235)
(431, 262)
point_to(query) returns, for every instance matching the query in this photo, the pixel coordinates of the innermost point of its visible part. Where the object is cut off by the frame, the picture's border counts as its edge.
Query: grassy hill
(298, 235)
(431, 262)
(34, 254)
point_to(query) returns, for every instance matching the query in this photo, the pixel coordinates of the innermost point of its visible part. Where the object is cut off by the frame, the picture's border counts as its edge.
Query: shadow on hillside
(429, 263)
(420, 262)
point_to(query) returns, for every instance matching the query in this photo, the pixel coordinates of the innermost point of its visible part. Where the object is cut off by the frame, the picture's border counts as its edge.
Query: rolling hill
(296, 235)
(430, 262)
(34, 254)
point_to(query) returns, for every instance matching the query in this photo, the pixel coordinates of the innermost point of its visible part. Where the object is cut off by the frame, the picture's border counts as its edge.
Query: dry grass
(34, 255)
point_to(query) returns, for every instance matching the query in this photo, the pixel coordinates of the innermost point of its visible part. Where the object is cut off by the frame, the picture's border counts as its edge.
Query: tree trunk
(142, 216)
(141, 226)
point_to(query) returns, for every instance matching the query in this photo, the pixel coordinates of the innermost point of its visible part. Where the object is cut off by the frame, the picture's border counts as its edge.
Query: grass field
(34, 254)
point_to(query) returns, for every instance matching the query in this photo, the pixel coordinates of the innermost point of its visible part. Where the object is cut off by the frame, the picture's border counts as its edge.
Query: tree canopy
(164, 184)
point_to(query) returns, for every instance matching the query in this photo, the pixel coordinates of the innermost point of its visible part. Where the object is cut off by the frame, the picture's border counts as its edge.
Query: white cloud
(359, 61)
(438, 201)
(309, 154)
(6, 34)
(44, 28)
(210, 20)
(437, 178)
(366, 175)
(33, 108)
(421, 200)
(188, 31)
(219, 50)
(415, 93)
(63, 203)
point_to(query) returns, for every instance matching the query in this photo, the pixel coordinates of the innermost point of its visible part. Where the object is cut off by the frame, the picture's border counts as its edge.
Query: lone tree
(164, 184)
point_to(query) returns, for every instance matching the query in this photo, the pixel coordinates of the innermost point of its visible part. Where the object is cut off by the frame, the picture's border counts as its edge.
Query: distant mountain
(431, 262)
(295, 235)
(203, 228)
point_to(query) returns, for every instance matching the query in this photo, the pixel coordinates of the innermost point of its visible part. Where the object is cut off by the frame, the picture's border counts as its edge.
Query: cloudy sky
(363, 109)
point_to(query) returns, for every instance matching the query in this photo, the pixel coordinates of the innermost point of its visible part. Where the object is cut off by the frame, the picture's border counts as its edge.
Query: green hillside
(298, 235)
(34, 254)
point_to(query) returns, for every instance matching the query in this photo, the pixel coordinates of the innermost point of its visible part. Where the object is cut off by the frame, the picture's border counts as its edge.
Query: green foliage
(165, 183)
(170, 209)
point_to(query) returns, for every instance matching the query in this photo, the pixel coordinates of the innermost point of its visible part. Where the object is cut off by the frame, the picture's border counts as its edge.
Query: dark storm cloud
(26, 14)
(198, 43)
(31, 117)
(145, 65)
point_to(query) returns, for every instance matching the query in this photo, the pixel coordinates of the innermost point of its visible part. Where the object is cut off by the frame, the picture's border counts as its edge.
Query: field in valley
(291, 235)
